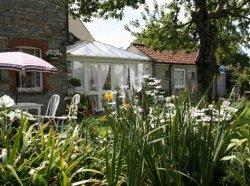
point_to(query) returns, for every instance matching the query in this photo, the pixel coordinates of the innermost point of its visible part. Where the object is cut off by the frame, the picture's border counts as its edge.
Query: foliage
(147, 139)
(167, 29)
(84, 108)
(76, 82)
(48, 158)
(165, 141)
(237, 160)
(242, 78)
(233, 57)
(97, 8)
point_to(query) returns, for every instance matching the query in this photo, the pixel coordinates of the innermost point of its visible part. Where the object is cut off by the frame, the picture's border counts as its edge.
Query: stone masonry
(40, 24)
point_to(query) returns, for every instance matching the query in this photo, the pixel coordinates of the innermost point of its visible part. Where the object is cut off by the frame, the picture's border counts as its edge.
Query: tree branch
(222, 11)
(189, 23)
(220, 6)
(238, 15)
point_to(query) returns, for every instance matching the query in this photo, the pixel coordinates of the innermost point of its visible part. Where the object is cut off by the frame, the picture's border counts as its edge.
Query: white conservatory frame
(139, 71)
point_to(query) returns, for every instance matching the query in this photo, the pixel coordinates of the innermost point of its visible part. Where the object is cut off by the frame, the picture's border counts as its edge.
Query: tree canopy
(166, 29)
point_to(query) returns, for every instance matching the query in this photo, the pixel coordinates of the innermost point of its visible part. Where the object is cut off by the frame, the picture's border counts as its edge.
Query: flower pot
(54, 58)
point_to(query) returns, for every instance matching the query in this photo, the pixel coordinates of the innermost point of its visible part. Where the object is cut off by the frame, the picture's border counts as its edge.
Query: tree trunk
(206, 60)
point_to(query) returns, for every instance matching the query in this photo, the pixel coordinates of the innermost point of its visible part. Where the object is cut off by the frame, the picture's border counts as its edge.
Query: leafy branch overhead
(87, 9)
(173, 26)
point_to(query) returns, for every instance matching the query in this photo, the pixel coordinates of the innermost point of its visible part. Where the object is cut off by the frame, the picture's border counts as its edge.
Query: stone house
(35, 27)
(176, 70)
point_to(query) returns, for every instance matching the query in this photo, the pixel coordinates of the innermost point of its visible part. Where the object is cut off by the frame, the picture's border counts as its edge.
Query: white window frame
(179, 86)
(36, 88)
(29, 47)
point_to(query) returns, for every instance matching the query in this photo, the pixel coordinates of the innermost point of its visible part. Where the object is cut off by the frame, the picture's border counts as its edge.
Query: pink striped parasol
(21, 61)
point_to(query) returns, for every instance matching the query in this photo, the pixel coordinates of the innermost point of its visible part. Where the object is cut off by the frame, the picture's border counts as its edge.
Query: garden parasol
(19, 61)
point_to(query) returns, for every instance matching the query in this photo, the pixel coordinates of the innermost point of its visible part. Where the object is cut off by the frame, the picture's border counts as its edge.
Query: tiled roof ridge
(168, 56)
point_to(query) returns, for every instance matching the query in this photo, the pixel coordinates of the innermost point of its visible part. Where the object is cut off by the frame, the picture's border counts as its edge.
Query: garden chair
(51, 109)
(72, 113)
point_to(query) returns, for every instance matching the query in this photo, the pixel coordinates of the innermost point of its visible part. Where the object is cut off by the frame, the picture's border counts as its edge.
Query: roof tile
(170, 57)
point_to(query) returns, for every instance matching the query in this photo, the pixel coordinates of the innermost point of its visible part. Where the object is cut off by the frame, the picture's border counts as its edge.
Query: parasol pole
(17, 79)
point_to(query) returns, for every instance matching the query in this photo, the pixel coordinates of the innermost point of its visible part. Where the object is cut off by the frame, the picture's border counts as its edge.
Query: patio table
(29, 106)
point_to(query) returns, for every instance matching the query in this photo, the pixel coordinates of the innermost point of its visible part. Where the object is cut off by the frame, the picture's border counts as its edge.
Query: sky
(112, 31)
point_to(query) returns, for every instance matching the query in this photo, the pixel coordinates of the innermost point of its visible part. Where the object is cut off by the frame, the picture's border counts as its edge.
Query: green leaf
(17, 141)
(14, 174)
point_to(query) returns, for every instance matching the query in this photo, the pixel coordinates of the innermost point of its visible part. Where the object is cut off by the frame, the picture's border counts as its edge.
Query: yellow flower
(108, 96)
(104, 118)
(125, 106)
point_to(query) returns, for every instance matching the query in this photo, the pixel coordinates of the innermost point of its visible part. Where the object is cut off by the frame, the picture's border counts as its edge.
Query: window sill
(4, 81)
(32, 92)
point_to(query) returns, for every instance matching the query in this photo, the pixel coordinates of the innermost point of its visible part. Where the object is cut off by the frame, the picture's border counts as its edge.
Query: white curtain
(93, 77)
(140, 73)
(125, 75)
(132, 74)
(104, 71)
(118, 76)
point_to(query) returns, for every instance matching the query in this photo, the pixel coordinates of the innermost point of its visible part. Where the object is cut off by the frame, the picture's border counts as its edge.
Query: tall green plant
(164, 143)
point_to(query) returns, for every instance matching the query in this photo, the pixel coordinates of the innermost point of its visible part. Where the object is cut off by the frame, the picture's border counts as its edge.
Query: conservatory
(101, 68)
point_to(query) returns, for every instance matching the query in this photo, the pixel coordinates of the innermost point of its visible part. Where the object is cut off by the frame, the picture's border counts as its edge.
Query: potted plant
(53, 54)
(75, 82)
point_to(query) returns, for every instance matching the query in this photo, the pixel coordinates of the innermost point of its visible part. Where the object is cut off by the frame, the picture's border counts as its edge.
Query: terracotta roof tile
(174, 57)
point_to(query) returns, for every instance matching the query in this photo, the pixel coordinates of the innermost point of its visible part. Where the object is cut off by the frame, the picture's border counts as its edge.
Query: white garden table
(29, 106)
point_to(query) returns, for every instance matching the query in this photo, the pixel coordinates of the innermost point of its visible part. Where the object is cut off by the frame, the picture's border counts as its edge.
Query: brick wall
(37, 24)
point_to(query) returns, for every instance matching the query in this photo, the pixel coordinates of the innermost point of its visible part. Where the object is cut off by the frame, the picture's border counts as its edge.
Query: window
(4, 74)
(78, 72)
(193, 76)
(30, 50)
(167, 74)
(30, 81)
(179, 78)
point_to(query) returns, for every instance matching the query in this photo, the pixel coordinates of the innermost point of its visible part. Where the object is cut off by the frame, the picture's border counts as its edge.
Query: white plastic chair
(52, 108)
(53, 105)
(73, 109)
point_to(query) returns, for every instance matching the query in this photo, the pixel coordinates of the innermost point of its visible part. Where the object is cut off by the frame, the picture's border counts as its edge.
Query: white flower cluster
(53, 53)
(162, 110)
(18, 114)
(224, 113)
(6, 101)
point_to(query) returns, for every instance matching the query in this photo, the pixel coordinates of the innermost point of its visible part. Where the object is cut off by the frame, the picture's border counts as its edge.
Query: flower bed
(147, 139)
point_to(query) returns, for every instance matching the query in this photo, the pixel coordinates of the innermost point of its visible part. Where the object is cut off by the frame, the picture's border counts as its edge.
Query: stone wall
(40, 24)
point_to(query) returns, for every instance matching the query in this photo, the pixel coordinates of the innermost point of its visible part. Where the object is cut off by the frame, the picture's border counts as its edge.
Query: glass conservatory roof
(98, 49)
